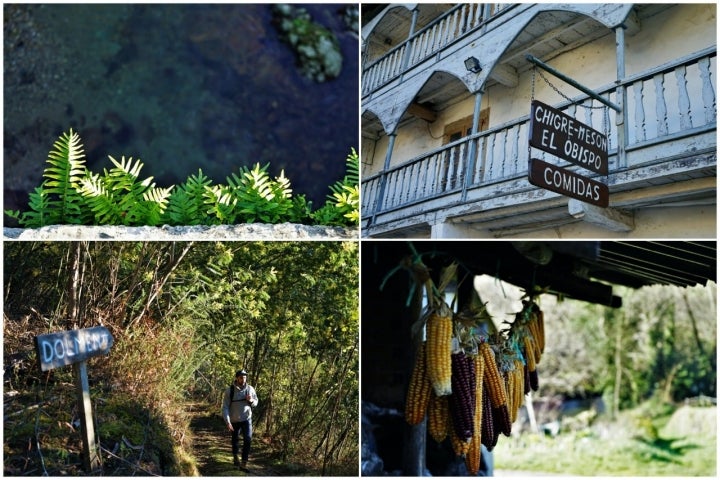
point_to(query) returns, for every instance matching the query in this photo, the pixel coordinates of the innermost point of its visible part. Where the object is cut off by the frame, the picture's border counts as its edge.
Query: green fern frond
(118, 198)
(67, 164)
(101, 200)
(155, 203)
(260, 198)
(126, 167)
(39, 210)
(343, 205)
(63, 175)
(220, 204)
(186, 205)
(70, 193)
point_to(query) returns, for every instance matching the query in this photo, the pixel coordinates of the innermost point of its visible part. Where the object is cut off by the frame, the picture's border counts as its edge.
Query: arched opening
(372, 131)
(551, 36)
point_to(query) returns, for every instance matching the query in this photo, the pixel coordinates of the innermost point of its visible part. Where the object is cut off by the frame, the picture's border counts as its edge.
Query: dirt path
(213, 452)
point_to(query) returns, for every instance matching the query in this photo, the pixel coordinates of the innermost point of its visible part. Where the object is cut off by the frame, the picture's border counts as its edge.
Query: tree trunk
(618, 367)
(693, 322)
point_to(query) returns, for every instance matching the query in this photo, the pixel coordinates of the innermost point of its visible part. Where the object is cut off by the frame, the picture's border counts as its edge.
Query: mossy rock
(316, 47)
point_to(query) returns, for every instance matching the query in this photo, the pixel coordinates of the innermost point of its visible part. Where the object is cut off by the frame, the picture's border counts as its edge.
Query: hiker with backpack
(238, 403)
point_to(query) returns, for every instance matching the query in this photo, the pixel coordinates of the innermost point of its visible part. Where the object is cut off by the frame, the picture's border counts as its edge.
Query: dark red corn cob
(462, 399)
(488, 431)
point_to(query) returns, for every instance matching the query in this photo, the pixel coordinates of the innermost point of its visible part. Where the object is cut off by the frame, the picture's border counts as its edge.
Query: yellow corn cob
(459, 446)
(496, 389)
(439, 348)
(418, 394)
(529, 353)
(472, 458)
(509, 380)
(541, 330)
(534, 332)
(519, 386)
(438, 417)
(494, 382)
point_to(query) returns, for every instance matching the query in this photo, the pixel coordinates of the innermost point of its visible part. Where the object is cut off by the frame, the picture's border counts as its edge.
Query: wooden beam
(421, 112)
(607, 218)
(631, 24)
(505, 75)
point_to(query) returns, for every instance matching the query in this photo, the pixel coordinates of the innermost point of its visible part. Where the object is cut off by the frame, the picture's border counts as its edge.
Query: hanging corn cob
(462, 400)
(438, 417)
(472, 458)
(488, 436)
(529, 352)
(418, 394)
(535, 320)
(518, 379)
(496, 389)
(459, 445)
(439, 349)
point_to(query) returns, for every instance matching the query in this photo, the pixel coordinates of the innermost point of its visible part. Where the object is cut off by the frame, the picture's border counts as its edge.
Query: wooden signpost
(561, 135)
(75, 347)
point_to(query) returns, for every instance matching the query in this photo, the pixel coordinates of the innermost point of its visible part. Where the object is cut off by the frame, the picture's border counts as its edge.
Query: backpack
(232, 393)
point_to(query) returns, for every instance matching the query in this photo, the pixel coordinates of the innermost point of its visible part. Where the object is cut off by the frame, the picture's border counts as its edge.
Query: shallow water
(182, 87)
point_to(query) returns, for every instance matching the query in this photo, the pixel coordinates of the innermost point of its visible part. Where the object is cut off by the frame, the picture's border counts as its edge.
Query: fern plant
(343, 205)
(70, 193)
(186, 205)
(118, 198)
(57, 200)
(260, 198)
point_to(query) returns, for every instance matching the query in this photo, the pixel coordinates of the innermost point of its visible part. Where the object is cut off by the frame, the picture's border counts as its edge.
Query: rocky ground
(247, 232)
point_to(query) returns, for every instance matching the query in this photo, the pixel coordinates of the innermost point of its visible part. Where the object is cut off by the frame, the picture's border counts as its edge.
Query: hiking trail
(211, 447)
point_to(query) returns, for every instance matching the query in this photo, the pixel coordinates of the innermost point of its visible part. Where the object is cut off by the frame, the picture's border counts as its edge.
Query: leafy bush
(71, 194)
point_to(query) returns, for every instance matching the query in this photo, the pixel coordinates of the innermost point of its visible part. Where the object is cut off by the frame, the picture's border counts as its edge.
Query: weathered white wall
(671, 34)
(687, 222)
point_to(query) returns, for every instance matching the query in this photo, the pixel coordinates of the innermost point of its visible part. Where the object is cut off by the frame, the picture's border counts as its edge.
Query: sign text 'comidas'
(565, 182)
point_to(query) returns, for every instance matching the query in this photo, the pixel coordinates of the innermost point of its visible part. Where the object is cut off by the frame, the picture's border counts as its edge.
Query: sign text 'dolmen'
(561, 135)
(64, 348)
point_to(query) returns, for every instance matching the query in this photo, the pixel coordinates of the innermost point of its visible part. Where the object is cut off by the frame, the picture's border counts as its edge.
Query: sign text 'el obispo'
(563, 136)
(64, 348)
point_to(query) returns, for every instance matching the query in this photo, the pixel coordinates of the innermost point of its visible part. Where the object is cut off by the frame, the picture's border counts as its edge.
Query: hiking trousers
(246, 429)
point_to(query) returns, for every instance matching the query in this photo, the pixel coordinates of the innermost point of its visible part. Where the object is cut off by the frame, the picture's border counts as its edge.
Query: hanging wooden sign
(559, 180)
(561, 135)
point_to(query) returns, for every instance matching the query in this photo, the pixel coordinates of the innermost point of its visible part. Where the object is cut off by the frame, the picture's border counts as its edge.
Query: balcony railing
(668, 102)
(441, 32)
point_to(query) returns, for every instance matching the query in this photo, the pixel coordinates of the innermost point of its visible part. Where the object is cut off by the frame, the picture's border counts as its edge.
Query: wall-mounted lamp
(473, 65)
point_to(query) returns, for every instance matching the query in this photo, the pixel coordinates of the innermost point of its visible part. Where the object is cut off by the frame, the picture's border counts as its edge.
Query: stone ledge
(248, 231)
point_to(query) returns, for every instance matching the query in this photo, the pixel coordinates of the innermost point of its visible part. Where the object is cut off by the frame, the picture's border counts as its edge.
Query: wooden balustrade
(662, 103)
(446, 29)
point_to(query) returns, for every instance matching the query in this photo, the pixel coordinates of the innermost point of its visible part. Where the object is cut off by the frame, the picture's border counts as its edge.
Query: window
(462, 128)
